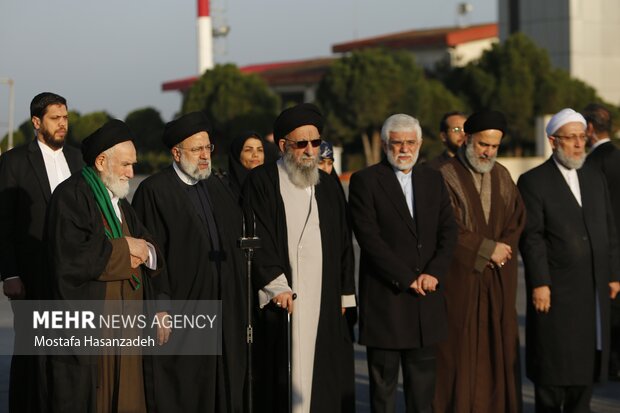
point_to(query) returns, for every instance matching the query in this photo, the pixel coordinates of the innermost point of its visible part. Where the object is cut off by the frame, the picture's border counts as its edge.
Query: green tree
(80, 126)
(360, 91)
(148, 128)
(24, 133)
(233, 102)
(517, 78)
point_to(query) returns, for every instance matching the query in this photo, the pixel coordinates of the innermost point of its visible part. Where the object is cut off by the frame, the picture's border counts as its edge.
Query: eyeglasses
(573, 138)
(398, 144)
(303, 144)
(456, 130)
(198, 149)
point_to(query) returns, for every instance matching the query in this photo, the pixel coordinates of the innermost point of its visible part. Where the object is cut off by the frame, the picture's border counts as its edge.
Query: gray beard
(193, 170)
(475, 163)
(301, 175)
(569, 163)
(402, 166)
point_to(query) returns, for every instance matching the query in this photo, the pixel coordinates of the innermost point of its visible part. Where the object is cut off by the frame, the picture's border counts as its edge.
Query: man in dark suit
(404, 224)
(572, 267)
(605, 156)
(28, 176)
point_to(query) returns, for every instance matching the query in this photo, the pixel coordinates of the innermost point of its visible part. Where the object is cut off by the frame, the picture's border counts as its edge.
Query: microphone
(247, 242)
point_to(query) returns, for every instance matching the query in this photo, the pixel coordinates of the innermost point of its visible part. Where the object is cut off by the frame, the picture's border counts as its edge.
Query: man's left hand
(424, 283)
(614, 289)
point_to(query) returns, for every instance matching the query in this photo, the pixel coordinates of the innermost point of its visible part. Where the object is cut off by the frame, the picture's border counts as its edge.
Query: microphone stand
(248, 243)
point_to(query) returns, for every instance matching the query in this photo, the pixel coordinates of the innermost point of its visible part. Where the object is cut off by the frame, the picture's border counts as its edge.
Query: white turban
(562, 118)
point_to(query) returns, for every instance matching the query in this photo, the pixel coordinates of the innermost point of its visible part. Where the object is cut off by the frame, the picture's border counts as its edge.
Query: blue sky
(113, 55)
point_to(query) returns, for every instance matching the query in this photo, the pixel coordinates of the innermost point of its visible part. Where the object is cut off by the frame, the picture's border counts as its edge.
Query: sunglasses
(303, 144)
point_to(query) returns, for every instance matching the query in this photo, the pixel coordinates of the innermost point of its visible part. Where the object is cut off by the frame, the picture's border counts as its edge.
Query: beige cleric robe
(478, 365)
(305, 257)
(120, 377)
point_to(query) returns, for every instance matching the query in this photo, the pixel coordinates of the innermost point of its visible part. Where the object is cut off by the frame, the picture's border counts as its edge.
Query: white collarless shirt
(56, 165)
(407, 186)
(571, 178)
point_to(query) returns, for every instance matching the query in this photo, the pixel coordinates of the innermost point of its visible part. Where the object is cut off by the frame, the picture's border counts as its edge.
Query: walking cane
(290, 371)
(290, 356)
(248, 243)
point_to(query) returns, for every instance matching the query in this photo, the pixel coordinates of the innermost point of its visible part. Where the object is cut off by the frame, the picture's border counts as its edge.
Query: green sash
(113, 227)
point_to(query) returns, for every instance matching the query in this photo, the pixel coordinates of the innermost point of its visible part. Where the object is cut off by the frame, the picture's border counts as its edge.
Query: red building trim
(441, 37)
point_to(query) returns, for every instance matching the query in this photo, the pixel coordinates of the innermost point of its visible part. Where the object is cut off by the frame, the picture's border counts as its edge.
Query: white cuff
(151, 262)
(274, 288)
(348, 301)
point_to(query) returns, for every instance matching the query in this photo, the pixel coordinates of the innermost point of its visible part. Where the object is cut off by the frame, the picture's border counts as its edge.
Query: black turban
(484, 120)
(110, 134)
(178, 130)
(292, 118)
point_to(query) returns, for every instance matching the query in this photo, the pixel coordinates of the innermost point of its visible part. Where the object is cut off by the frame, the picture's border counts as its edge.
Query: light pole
(11, 84)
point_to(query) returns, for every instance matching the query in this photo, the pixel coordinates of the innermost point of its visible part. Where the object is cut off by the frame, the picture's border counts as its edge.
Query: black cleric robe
(86, 265)
(330, 383)
(202, 263)
(572, 249)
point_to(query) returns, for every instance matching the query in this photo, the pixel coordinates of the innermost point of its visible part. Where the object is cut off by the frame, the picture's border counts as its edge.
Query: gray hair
(109, 152)
(400, 123)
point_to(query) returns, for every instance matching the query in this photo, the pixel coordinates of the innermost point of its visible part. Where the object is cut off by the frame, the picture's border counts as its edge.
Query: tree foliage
(148, 128)
(233, 102)
(80, 126)
(517, 78)
(361, 90)
(21, 135)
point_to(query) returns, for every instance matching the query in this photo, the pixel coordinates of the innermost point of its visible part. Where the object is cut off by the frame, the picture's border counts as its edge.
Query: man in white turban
(572, 267)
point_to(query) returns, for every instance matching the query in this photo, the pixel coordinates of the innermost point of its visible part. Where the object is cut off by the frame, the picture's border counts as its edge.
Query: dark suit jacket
(574, 250)
(606, 157)
(395, 250)
(24, 197)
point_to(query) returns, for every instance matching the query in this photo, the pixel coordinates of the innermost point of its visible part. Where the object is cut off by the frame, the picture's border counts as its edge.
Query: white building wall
(466, 52)
(581, 37)
(595, 45)
(456, 56)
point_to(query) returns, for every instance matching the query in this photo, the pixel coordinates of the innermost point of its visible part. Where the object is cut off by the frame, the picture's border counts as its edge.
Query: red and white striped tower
(205, 37)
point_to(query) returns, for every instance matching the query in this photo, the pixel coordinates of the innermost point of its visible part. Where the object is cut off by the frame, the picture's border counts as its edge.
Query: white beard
(118, 187)
(302, 175)
(569, 163)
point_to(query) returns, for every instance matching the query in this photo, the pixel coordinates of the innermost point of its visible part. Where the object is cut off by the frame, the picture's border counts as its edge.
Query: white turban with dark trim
(562, 118)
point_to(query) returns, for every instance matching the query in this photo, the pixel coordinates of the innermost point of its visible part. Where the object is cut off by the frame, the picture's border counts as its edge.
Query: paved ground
(606, 398)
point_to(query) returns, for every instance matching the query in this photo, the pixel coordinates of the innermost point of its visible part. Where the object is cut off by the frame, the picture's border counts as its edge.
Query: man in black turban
(99, 250)
(196, 217)
(478, 366)
(300, 217)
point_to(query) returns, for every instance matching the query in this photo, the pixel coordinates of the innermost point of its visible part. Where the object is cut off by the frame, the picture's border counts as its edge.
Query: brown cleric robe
(478, 366)
(86, 265)
(120, 378)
